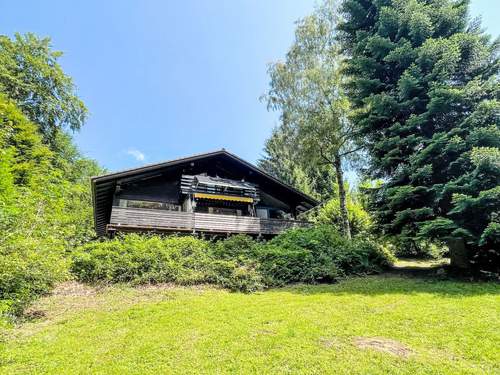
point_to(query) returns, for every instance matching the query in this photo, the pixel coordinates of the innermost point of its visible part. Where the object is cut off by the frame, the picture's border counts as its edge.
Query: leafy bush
(154, 259)
(27, 271)
(235, 277)
(238, 247)
(307, 255)
(359, 218)
(141, 260)
(318, 254)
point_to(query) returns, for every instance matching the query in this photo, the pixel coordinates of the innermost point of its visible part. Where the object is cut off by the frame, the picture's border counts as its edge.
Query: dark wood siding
(131, 184)
(158, 189)
(147, 219)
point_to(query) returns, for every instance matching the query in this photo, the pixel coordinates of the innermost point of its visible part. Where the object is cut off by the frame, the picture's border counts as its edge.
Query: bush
(235, 277)
(238, 247)
(365, 256)
(27, 271)
(359, 219)
(139, 259)
(318, 254)
(154, 259)
(308, 255)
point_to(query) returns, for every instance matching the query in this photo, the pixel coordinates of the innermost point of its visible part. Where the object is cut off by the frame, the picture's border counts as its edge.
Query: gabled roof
(103, 187)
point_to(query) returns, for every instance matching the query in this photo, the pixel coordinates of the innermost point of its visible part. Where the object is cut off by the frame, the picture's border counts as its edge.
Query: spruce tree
(424, 85)
(283, 160)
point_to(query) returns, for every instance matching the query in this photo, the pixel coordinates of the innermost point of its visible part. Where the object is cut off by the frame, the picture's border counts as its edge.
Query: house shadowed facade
(213, 193)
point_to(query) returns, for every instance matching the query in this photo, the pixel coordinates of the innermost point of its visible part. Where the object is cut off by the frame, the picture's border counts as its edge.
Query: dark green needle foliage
(424, 85)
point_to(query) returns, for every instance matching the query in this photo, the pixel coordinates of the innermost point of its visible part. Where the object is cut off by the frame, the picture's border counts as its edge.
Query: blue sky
(165, 79)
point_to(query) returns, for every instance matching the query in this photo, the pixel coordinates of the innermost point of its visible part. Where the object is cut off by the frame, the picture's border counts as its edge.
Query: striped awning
(223, 197)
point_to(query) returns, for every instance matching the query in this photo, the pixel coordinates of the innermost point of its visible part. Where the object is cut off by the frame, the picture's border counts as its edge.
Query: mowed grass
(411, 326)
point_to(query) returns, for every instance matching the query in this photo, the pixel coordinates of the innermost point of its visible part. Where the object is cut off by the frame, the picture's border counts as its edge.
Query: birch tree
(306, 89)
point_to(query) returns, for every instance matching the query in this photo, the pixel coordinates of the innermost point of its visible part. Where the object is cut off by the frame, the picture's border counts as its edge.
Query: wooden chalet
(213, 193)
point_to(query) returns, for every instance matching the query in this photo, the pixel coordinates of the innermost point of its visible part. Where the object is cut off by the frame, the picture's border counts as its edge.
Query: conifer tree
(283, 160)
(424, 85)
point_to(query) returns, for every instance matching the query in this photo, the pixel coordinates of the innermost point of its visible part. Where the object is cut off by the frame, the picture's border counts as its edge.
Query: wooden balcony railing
(139, 219)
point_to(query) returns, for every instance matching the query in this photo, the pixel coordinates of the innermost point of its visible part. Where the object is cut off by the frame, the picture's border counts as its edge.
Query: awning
(223, 197)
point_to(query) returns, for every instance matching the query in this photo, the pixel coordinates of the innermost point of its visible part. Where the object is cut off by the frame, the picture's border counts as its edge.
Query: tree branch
(351, 151)
(322, 154)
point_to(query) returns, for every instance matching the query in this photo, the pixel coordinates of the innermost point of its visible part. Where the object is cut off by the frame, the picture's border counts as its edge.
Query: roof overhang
(104, 186)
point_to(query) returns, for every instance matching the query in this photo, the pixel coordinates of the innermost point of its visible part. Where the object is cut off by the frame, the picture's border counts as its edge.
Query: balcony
(142, 220)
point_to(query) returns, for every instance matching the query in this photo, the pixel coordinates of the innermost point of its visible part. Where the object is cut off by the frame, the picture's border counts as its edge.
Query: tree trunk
(458, 253)
(346, 227)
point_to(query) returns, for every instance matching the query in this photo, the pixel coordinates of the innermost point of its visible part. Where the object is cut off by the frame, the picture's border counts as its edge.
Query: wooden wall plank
(199, 222)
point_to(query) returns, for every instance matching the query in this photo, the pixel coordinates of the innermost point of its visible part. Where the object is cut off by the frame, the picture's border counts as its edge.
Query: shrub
(154, 259)
(364, 255)
(27, 271)
(297, 255)
(142, 259)
(308, 255)
(316, 255)
(359, 219)
(238, 247)
(235, 277)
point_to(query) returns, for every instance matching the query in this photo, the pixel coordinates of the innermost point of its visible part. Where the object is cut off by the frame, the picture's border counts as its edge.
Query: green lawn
(371, 325)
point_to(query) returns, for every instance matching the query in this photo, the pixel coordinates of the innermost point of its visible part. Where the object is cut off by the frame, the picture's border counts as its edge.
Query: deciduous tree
(307, 89)
(30, 75)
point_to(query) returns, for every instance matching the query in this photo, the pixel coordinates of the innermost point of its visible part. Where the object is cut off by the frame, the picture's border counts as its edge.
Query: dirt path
(420, 268)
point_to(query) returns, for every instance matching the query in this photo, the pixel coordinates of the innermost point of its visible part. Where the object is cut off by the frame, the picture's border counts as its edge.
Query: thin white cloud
(138, 155)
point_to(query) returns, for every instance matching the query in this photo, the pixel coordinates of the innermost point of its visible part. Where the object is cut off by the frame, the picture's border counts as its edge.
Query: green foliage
(45, 200)
(235, 276)
(24, 154)
(154, 259)
(307, 90)
(401, 247)
(238, 247)
(318, 254)
(283, 160)
(28, 269)
(31, 76)
(238, 263)
(143, 260)
(359, 219)
(45, 208)
(424, 86)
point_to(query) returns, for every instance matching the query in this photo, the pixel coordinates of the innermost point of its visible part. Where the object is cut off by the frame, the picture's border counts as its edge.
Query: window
(224, 211)
(271, 213)
(262, 213)
(129, 203)
(144, 204)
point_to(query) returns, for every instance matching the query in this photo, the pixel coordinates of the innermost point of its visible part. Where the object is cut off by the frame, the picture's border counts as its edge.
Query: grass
(376, 325)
